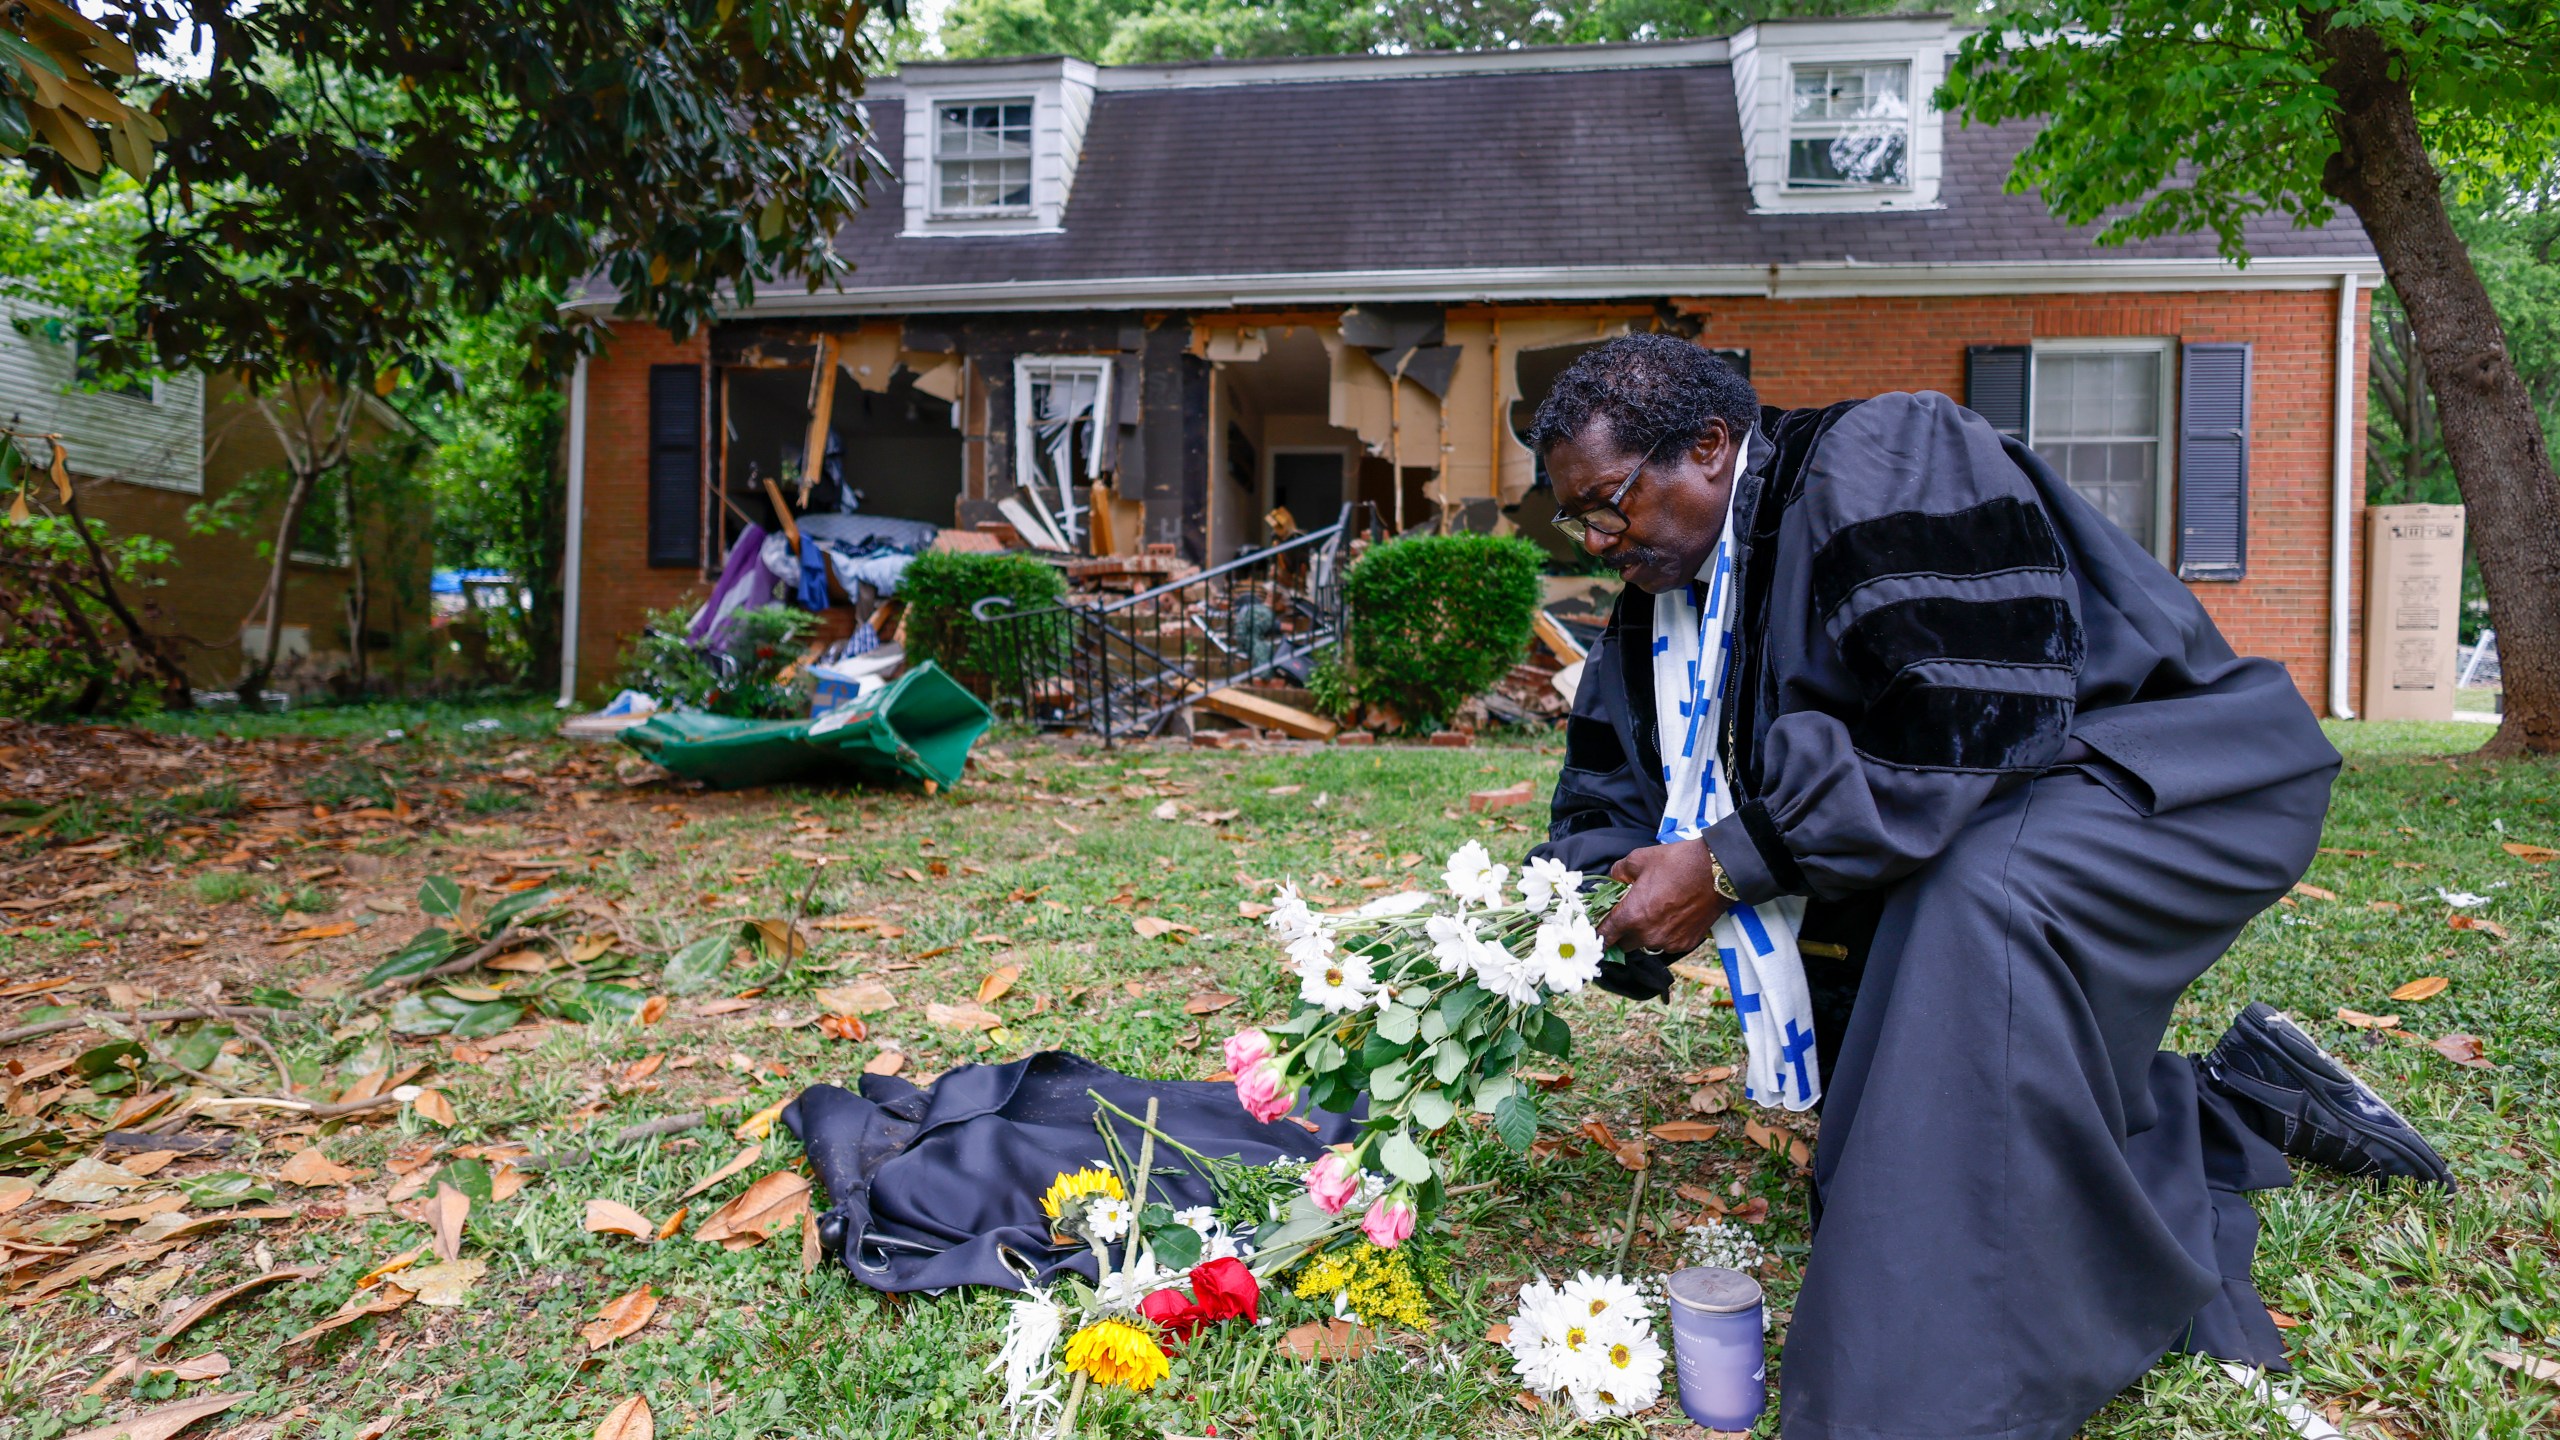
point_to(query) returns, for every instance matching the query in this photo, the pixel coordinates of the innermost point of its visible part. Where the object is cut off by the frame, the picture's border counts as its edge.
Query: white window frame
(936, 159)
(1026, 473)
(1795, 129)
(2164, 476)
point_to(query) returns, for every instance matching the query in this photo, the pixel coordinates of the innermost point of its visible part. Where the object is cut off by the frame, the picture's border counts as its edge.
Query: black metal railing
(1122, 667)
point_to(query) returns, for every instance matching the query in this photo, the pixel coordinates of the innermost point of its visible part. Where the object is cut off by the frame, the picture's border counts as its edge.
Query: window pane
(1862, 157)
(2097, 422)
(1851, 125)
(1851, 92)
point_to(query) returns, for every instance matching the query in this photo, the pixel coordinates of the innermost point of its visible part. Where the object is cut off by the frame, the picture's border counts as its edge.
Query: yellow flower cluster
(1115, 1352)
(1072, 1186)
(1380, 1284)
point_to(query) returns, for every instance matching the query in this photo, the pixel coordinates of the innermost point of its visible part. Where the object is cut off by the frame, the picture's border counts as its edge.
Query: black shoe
(2308, 1106)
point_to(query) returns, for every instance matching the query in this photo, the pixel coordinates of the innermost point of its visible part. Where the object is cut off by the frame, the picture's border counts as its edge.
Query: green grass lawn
(1042, 862)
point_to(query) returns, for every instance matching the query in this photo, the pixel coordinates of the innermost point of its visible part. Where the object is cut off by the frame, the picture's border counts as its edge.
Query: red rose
(1177, 1316)
(1226, 1290)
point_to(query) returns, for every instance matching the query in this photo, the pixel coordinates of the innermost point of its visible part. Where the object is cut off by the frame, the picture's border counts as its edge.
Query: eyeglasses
(1604, 518)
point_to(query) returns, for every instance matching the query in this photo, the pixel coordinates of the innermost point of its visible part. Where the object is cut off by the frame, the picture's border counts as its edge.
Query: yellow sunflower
(1073, 1186)
(1115, 1352)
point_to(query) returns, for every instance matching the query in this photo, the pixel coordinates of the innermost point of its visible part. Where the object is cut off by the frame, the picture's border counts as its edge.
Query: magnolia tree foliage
(2171, 115)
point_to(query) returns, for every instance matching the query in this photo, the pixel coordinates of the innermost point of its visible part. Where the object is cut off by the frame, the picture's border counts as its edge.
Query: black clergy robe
(2031, 794)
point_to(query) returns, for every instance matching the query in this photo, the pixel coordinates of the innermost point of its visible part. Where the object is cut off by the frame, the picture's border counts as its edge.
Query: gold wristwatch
(1723, 882)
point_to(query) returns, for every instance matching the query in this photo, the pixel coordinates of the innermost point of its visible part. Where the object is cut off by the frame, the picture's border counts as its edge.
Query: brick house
(1151, 303)
(144, 456)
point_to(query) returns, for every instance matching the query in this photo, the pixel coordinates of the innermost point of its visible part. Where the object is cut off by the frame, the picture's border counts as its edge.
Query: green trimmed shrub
(938, 590)
(1436, 619)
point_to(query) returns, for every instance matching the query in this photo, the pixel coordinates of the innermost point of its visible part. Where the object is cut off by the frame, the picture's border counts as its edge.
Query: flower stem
(1075, 1399)
(1138, 1204)
(1635, 1205)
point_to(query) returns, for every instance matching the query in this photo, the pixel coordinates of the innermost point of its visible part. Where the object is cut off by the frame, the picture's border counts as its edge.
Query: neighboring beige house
(142, 459)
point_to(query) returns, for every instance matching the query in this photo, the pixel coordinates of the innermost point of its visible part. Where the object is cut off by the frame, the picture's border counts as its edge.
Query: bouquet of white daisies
(1426, 1003)
(1589, 1341)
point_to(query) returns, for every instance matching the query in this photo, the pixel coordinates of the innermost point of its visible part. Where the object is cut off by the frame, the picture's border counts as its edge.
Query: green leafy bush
(1436, 619)
(662, 663)
(940, 587)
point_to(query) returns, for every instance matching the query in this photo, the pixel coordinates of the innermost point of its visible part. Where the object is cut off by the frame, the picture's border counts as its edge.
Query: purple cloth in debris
(711, 624)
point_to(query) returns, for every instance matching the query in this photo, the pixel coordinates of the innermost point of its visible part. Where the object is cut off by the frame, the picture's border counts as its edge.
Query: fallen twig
(283, 1072)
(192, 1012)
(1635, 1208)
(313, 1109)
(675, 1124)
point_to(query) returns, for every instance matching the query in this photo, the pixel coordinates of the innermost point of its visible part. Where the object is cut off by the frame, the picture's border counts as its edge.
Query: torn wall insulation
(1243, 344)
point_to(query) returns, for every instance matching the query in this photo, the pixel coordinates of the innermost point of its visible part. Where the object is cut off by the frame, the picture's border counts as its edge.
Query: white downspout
(577, 523)
(2341, 504)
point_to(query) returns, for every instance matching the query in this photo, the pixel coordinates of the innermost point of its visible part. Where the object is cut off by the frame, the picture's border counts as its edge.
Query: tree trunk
(177, 692)
(2486, 419)
(263, 665)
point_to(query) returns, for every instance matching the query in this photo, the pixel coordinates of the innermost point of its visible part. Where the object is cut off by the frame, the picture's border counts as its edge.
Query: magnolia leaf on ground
(2533, 1365)
(998, 981)
(89, 1182)
(392, 1266)
(2425, 987)
(642, 1068)
(211, 1365)
(738, 1162)
(962, 1017)
(446, 1283)
(1686, 1132)
(1169, 810)
(164, 1422)
(312, 1170)
(2465, 1050)
(1325, 1341)
(431, 1105)
(1767, 1137)
(15, 1190)
(1208, 1002)
(225, 1188)
(767, 1205)
(780, 939)
(811, 1252)
(760, 1124)
(653, 1009)
(2460, 921)
(381, 1300)
(629, 1420)
(2531, 854)
(445, 1215)
(887, 1062)
(1712, 1099)
(612, 1217)
(2362, 1021)
(2307, 889)
(1151, 927)
(672, 1223)
(862, 997)
(698, 966)
(620, 1317)
(195, 1313)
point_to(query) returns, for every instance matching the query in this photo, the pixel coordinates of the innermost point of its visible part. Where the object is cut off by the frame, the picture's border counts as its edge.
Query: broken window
(982, 156)
(1060, 408)
(1849, 126)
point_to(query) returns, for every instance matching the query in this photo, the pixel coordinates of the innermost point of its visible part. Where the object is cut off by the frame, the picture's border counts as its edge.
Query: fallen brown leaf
(629, 1420)
(2283, 1321)
(2531, 855)
(2306, 888)
(164, 1422)
(445, 1283)
(1497, 1334)
(1208, 1002)
(445, 1214)
(887, 1062)
(431, 1105)
(381, 1300)
(998, 981)
(862, 997)
(2533, 1365)
(1151, 927)
(653, 1010)
(313, 1170)
(211, 1365)
(760, 1124)
(642, 1068)
(673, 1223)
(769, 1204)
(620, 1317)
(2463, 1050)
(1711, 1099)
(2362, 1021)
(1685, 1132)
(195, 1313)
(810, 1251)
(612, 1217)
(2460, 921)
(2425, 987)
(323, 932)
(1325, 1341)
(962, 1017)
(738, 1162)
(392, 1266)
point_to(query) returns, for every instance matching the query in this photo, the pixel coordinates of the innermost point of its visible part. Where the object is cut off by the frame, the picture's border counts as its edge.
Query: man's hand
(1671, 899)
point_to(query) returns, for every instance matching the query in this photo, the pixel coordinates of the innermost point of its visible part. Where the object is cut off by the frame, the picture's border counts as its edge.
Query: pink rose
(1388, 1224)
(1261, 1092)
(1333, 1181)
(1246, 1049)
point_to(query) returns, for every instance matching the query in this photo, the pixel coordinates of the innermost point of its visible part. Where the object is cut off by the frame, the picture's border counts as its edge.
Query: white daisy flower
(1403, 902)
(1513, 977)
(1107, 1217)
(1624, 1377)
(1311, 951)
(1608, 1299)
(1290, 919)
(1553, 1348)
(1339, 983)
(1453, 943)
(1473, 877)
(1567, 953)
(1202, 1218)
(1544, 881)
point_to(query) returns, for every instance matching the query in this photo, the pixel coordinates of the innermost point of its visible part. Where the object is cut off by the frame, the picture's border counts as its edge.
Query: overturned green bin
(921, 724)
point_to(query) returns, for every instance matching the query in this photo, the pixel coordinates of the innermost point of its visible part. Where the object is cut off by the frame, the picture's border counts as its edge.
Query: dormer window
(982, 157)
(1849, 126)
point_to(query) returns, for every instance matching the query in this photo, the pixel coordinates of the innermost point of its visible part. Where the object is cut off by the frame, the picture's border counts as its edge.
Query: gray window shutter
(2213, 462)
(675, 465)
(1995, 386)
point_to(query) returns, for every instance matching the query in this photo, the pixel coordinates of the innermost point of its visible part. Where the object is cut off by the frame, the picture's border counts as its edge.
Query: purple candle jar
(1717, 1347)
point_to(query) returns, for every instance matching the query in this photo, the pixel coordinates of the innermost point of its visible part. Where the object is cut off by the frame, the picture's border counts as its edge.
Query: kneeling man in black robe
(2027, 794)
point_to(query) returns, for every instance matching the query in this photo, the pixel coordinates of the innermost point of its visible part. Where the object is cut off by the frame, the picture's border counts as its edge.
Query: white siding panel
(158, 442)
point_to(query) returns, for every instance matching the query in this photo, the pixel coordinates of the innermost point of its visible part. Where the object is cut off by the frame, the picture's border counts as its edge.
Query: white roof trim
(1826, 280)
(1333, 69)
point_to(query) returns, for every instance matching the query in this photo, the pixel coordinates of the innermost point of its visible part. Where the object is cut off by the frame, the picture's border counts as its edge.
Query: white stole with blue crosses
(1692, 650)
